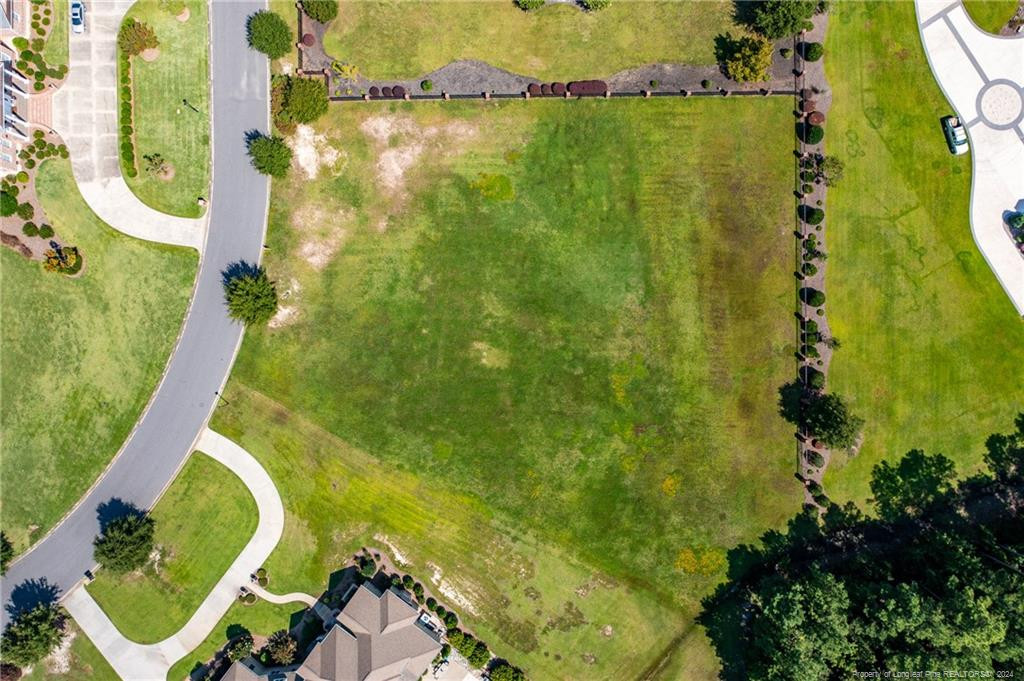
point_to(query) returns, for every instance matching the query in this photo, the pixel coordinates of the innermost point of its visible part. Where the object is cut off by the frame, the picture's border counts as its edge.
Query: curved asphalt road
(201, 363)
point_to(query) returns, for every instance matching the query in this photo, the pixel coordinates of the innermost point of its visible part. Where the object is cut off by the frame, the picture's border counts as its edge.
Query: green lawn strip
(506, 585)
(259, 619)
(85, 663)
(559, 42)
(164, 124)
(81, 356)
(202, 523)
(287, 11)
(577, 313)
(932, 346)
(56, 51)
(991, 15)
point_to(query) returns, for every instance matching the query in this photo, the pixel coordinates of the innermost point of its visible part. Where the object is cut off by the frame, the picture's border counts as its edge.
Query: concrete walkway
(86, 116)
(295, 597)
(982, 75)
(133, 661)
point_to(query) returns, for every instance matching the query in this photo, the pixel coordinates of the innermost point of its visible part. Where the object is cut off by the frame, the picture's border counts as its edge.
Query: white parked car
(77, 16)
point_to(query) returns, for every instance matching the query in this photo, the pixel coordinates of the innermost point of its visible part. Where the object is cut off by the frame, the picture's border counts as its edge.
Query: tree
(594, 5)
(776, 19)
(155, 164)
(932, 581)
(810, 214)
(8, 203)
(136, 37)
(810, 134)
(270, 155)
(269, 34)
(305, 99)
(125, 543)
(1004, 454)
(503, 671)
(811, 51)
(830, 170)
(829, 420)
(320, 10)
(527, 5)
(367, 567)
(281, 647)
(32, 634)
(910, 487)
(6, 552)
(812, 296)
(748, 58)
(250, 294)
(241, 647)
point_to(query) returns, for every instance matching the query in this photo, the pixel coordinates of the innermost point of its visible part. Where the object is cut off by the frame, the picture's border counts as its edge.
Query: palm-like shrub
(136, 37)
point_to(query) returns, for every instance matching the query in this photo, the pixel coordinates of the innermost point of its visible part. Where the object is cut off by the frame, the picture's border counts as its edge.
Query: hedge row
(126, 117)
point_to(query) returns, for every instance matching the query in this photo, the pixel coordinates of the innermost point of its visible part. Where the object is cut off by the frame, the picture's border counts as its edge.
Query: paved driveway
(185, 398)
(86, 116)
(982, 76)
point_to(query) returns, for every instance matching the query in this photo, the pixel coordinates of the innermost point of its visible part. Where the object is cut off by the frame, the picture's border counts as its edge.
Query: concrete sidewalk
(134, 661)
(86, 116)
(982, 76)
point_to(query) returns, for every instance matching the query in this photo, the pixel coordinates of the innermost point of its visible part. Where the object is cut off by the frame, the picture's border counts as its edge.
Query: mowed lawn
(203, 521)
(570, 316)
(395, 39)
(164, 124)
(81, 356)
(991, 15)
(56, 50)
(932, 347)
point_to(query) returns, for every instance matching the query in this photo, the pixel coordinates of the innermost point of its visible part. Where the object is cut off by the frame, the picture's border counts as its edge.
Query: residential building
(14, 19)
(14, 126)
(377, 636)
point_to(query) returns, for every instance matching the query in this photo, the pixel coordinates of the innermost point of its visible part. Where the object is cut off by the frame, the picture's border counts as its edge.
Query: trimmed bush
(270, 155)
(810, 134)
(809, 351)
(812, 296)
(125, 543)
(250, 294)
(812, 377)
(305, 100)
(427, 85)
(814, 458)
(20, 43)
(8, 203)
(810, 214)
(320, 10)
(706, 84)
(29, 229)
(809, 269)
(269, 34)
(26, 211)
(594, 5)
(45, 231)
(747, 59)
(22, 177)
(527, 5)
(811, 51)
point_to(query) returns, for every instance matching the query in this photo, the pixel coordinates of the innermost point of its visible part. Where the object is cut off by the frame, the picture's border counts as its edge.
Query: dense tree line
(934, 580)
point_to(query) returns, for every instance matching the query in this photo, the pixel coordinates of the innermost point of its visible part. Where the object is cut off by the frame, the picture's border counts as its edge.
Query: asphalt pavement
(200, 364)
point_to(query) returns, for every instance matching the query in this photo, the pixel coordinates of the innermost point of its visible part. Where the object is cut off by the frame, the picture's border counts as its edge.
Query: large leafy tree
(32, 634)
(125, 543)
(321, 10)
(270, 155)
(268, 33)
(135, 37)
(281, 647)
(934, 581)
(250, 294)
(776, 19)
(6, 553)
(747, 58)
(829, 420)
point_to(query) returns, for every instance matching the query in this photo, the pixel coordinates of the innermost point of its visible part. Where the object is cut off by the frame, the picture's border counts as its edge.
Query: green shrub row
(126, 116)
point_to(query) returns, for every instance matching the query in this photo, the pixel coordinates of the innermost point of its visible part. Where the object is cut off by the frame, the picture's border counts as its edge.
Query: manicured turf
(571, 317)
(81, 356)
(56, 51)
(85, 663)
(260, 619)
(163, 123)
(203, 521)
(991, 15)
(932, 347)
(394, 39)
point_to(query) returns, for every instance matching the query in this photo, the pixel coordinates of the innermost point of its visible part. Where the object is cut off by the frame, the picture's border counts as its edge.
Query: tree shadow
(30, 593)
(252, 135)
(744, 12)
(115, 508)
(725, 48)
(790, 398)
(233, 631)
(238, 269)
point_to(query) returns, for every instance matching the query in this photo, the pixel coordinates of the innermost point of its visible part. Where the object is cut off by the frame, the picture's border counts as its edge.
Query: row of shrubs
(33, 65)
(126, 115)
(391, 91)
(578, 88)
(588, 5)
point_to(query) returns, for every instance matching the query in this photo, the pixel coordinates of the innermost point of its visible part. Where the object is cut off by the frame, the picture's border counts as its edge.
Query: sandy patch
(607, 631)
(312, 152)
(490, 356)
(151, 54)
(448, 590)
(399, 557)
(185, 14)
(167, 174)
(284, 316)
(393, 164)
(324, 234)
(287, 68)
(59, 661)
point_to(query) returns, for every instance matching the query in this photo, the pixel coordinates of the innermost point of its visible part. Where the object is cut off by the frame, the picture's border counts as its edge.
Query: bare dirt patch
(185, 14)
(167, 174)
(59, 661)
(313, 152)
(151, 54)
(323, 233)
(490, 356)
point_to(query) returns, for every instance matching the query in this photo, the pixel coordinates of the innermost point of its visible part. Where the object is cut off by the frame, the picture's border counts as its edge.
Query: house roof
(376, 637)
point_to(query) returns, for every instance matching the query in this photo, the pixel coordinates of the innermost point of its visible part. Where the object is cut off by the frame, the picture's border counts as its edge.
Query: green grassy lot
(394, 39)
(85, 663)
(991, 15)
(932, 347)
(56, 51)
(163, 124)
(556, 328)
(203, 521)
(260, 619)
(81, 356)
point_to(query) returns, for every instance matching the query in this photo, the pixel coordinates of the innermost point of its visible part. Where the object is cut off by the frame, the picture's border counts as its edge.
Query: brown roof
(377, 637)
(239, 672)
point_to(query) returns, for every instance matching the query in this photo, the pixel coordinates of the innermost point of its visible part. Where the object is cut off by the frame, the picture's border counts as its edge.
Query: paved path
(199, 366)
(147, 662)
(295, 597)
(982, 75)
(86, 116)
